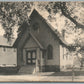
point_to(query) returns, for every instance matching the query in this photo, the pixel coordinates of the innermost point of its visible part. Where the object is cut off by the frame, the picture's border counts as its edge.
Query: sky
(1, 30)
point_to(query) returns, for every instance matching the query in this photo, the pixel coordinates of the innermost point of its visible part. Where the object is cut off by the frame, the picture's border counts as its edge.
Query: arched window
(50, 52)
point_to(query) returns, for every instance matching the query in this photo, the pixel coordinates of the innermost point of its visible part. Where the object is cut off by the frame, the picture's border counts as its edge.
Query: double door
(31, 57)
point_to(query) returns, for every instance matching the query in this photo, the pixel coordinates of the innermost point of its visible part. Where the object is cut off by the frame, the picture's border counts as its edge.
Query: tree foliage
(15, 13)
(67, 9)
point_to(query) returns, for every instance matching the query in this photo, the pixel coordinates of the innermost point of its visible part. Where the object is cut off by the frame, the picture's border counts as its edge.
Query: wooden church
(40, 47)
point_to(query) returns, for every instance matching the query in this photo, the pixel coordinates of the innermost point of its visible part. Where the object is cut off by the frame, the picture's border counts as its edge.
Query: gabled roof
(39, 44)
(60, 37)
(4, 42)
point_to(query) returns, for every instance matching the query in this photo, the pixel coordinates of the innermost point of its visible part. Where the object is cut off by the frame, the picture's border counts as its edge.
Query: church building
(40, 47)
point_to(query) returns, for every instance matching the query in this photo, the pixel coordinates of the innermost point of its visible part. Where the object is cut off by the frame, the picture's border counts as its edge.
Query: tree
(67, 9)
(13, 13)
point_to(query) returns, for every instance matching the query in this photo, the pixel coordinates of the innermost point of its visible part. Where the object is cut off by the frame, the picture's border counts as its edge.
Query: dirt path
(32, 78)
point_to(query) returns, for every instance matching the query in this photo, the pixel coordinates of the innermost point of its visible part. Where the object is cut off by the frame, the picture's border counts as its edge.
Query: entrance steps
(27, 69)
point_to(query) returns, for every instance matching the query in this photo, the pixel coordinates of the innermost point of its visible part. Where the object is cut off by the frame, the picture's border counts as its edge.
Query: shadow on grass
(69, 73)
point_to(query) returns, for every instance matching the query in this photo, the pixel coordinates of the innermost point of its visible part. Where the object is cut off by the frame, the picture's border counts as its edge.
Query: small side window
(4, 49)
(50, 52)
(14, 50)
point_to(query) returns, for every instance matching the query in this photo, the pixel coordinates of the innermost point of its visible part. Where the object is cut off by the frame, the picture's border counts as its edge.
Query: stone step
(30, 69)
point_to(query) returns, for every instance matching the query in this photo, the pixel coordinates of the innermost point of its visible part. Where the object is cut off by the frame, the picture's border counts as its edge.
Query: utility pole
(73, 74)
(73, 66)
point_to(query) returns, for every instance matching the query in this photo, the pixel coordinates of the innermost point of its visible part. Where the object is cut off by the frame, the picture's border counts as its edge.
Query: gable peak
(34, 11)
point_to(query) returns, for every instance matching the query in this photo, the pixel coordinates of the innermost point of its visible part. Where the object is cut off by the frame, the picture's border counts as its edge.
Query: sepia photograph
(42, 41)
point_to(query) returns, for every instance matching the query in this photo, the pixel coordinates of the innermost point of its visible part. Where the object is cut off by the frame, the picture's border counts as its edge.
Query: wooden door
(31, 57)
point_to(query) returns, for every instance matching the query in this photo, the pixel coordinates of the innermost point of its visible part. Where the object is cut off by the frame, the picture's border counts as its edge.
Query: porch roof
(39, 44)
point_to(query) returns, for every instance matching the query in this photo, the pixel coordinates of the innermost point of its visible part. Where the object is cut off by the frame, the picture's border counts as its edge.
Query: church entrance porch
(32, 61)
(29, 66)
